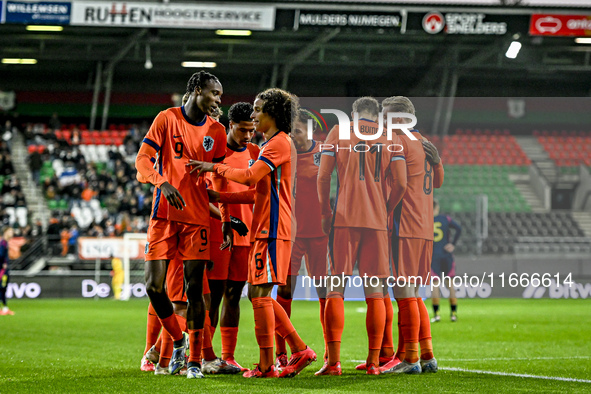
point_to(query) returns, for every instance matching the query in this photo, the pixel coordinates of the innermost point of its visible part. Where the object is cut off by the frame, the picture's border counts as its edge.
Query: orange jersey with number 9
(178, 140)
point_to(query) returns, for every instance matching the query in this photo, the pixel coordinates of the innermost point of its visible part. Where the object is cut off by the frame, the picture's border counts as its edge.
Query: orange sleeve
(438, 175)
(327, 164)
(245, 197)
(399, 182)
(328, 161)
(219, 185)
(249, 176)
(145, 167)
(151, 144)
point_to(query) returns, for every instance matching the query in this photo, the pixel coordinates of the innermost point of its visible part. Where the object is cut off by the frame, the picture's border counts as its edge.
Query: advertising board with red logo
(560, 25)
(462, 23)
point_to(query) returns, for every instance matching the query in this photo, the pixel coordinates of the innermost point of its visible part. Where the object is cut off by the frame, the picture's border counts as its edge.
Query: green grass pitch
(96, 346)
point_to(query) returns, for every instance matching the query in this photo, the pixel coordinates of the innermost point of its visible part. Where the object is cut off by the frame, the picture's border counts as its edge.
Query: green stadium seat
(52, 204)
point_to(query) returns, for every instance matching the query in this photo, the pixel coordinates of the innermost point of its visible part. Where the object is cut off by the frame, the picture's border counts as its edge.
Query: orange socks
(229, 338)
(285, 329)
(375, 321)
(334, 319)
(166, 350)
(195, 344)
(208, 353)
(153, 328)
(279, 341)
(182, 322)
(425, 332)
(400, 352)
(171, 325)
(388, 341)
(322, 311)
(410, 325)
(264, 329)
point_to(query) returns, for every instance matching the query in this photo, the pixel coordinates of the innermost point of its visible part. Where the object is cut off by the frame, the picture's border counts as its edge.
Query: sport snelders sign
(462, 23)
(174, 15)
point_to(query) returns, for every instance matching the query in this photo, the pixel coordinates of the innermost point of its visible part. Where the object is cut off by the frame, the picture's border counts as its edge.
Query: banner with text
(560, 25)
(174, 15)
(352, 19)
(38, 12)
(104, 248)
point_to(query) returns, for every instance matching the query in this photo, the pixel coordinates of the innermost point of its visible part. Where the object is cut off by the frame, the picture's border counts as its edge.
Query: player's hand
(431, 152)
(228, 236)
(200, 166)
(209, 265)
(173, 196)
(213, 195)
(326, 222)
(449, 248)
(238, 226)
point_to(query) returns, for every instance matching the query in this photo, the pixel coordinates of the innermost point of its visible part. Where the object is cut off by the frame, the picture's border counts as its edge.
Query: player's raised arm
(249, 176)
(433, 158)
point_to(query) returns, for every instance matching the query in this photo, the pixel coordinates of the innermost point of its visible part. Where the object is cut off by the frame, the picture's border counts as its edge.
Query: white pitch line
(517, 375)
(500, 359)
(513, 358)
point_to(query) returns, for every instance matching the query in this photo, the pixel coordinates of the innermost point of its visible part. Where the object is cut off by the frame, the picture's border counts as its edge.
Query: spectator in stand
(35, 164)
(54, 122)
(73, 239)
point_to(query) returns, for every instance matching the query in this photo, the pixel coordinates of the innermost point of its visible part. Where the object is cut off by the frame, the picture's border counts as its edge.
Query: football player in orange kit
(412, 242)
(271, 229)
(311, 243)
(230, 268)
(180, 213)
(358, 226)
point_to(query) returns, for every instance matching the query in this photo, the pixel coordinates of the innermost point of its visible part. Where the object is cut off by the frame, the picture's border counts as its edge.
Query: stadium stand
(88, 179)
(568, 150)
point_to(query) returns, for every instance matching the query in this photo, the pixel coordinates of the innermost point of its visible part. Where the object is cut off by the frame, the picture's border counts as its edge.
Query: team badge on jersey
(250, 163)
(207, 143)
(317, 159)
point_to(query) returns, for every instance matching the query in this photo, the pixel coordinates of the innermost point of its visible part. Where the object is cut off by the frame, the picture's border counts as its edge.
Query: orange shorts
(229, 265)
(175, 281)
(411, 258)
(367, 247)
(166, 238)
(314, 250)
(269, 261)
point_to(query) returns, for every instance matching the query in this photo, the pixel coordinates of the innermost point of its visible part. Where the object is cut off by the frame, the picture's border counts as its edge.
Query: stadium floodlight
(513, 50)
(18, 61)
(243, 33)
(582, 40)
(148, 64)
(44, 28)
(199, 64)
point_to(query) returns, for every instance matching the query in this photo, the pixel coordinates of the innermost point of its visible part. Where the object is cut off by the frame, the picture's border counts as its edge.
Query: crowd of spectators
(87, 198)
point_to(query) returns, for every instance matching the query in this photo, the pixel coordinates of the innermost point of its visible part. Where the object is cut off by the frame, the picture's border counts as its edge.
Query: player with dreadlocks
(179, 222)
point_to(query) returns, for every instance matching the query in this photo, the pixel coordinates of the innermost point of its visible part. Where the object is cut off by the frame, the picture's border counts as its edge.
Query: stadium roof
(316, 59)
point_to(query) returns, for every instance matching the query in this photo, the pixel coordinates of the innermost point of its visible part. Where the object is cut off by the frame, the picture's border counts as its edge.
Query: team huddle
(225, 212)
